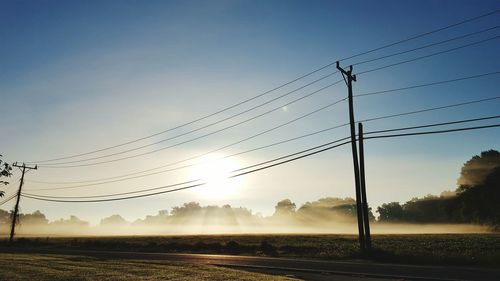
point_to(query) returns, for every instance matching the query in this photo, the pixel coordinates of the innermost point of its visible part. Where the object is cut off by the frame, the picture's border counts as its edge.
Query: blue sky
(80, 75)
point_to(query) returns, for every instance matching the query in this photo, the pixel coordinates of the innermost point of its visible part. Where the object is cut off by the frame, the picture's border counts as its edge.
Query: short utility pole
(23, 168)
(348, 78)
(366, 218)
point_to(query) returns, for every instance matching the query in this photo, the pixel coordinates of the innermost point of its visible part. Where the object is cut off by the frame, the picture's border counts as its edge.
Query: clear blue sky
(80, 75)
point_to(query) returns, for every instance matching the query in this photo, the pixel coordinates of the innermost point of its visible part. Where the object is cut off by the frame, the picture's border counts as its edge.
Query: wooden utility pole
(366, 218)
(348, 74)
(16, 208)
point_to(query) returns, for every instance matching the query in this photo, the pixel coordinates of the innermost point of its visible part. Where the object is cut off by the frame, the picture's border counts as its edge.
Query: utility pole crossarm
(346, 73)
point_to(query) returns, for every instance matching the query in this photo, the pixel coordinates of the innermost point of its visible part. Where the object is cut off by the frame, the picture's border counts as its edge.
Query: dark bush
(233, 247)
(268, 249)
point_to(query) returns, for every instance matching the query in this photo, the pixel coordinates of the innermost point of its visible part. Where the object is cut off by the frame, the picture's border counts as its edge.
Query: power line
(7, 199)
(218, 121)
(197, 156)
(427, 46)
(221, 148)
(185, 124)
(434, 132)
(300, 152)
(435, 124)
(56, 165)
(47, 198)
(293, 154)
(194, 164)
(185, 166)
(117, 194)
(430, 109)
(17, 179)
(113, 199)
(422, 35)
(193, 181)
(427, 84)
(244, 121)
(272, 90)
(429, 55)
(253, 136)
(7, 187)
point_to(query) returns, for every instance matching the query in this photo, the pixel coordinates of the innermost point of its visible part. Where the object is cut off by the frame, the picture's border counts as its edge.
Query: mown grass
(458, 249)
(450, 249)
(77, 268)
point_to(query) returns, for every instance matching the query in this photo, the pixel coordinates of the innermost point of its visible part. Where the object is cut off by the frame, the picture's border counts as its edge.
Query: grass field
(450, 249)
(77, 268)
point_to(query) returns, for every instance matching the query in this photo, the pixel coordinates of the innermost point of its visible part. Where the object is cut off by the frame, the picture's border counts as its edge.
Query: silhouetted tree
(5, 171)
(284, 208)
(476, 200)
(37, 218)
(331, 208)
(390, 212)
(114, 220)
(4, 217)
(188, 209)
(428, 209)
(73, 221)
(475, 171)
(480, 203)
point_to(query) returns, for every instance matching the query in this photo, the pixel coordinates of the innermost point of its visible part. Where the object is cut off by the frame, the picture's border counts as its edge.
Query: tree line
(476, 200)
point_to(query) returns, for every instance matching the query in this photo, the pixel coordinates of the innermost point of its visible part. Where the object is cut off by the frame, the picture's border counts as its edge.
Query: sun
(215, 171)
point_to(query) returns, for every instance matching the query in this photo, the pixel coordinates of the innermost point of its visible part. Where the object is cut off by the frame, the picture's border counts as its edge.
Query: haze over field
(471, 208)
(223, 220)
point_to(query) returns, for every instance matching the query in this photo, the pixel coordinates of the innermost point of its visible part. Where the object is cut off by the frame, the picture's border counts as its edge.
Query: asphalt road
(314, 270)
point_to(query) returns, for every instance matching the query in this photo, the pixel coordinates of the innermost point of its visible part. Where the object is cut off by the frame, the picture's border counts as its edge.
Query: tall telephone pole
(348, 78)
(23, 168)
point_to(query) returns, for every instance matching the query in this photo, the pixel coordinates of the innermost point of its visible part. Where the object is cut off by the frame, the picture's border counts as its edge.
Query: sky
(77, 76)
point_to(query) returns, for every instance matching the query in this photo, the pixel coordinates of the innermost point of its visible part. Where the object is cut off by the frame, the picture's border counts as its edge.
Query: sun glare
(215, 171)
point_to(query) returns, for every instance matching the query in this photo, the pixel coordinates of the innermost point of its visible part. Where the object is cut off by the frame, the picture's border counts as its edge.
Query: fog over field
(471, 208)
(327, 215)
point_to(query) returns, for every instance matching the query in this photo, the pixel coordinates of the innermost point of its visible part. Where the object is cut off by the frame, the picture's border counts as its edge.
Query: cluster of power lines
(133, 149)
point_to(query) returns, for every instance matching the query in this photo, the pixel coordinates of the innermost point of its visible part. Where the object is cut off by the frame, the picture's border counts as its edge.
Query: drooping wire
(57, 165)
(184, 124)
(246, 120)
(100, 181)
(47, 198)
(422, 35)
(8, 198)
(121, 178)
(367, 133)
(427, 46)
(429, 55)
(218, 121)
(12, 196)
(435, 124)
(55, 198)
(85, 183)
(272, 90)
(427, 84)
(430, 109)
(433, 132)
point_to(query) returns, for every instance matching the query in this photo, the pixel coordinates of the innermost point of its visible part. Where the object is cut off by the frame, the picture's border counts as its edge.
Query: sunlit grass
(58, 267)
